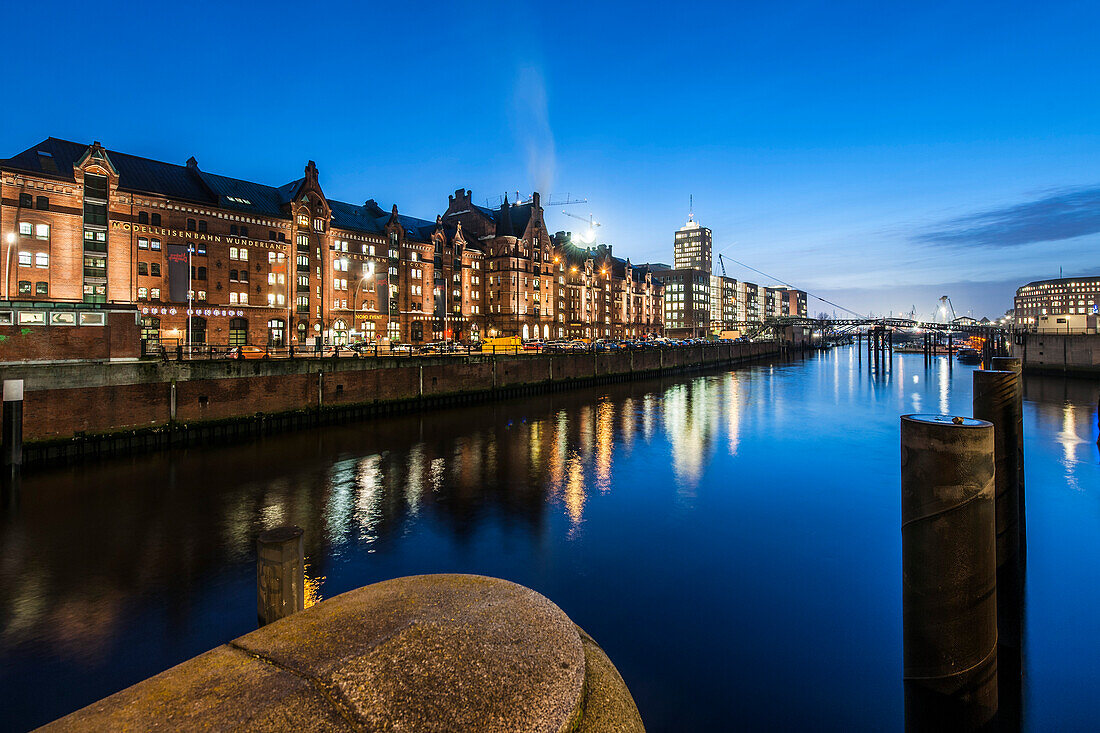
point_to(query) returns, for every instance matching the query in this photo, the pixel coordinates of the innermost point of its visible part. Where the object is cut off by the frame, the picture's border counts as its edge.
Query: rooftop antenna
(691, 207)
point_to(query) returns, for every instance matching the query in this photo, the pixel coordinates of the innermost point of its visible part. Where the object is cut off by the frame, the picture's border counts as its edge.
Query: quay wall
(82, 410)
(1053, 353)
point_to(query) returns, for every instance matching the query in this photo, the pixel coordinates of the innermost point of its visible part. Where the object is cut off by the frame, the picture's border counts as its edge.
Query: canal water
(731, 539)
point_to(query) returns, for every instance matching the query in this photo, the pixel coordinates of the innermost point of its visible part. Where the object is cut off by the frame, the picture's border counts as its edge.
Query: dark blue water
(732, 540)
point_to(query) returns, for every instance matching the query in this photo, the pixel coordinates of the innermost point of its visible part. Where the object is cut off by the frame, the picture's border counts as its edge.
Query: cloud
(1061, 215)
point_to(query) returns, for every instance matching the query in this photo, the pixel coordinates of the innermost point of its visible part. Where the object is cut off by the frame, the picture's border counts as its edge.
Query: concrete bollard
(949, 565)
(280, 574)
(12, 431)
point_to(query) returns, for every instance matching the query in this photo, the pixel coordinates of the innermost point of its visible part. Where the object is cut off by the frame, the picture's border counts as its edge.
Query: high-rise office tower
(692, 249)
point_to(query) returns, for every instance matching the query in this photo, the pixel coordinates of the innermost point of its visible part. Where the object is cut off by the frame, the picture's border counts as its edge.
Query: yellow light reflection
(605, 440)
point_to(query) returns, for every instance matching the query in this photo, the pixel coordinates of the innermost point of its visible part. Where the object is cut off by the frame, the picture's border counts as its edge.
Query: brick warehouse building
(217, 260)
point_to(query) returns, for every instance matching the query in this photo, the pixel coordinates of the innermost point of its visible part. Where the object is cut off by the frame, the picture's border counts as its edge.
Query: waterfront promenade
(134, 406)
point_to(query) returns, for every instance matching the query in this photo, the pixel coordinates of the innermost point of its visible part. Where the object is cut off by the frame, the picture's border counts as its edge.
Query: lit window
(154, 293)
(271, 298)
(42, 231)
(243, 254)
(25, 228)
(25, 286)
(41, 288)
(202, 295)
(271, 278)
(232, 253)
(143, 293)
(244, 298)
(41, 259)
(24, 259)
(232, 298)
(154, 244)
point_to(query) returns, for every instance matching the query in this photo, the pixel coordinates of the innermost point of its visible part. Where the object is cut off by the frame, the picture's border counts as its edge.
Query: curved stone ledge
(422, 653)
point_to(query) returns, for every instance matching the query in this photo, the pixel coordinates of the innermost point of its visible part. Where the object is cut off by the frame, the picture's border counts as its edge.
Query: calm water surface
(732, 540)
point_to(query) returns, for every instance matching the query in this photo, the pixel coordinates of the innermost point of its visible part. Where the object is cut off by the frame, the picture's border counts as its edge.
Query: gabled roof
(232, 193)
(419, 229)
(512, 222)
(57, 158)
(357, 218)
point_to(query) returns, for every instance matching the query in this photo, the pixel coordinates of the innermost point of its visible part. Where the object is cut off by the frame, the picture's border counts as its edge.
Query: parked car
(248, 352)
(533, 345)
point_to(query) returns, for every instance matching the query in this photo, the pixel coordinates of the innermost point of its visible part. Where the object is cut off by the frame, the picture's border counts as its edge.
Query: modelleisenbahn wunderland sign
(191, 312)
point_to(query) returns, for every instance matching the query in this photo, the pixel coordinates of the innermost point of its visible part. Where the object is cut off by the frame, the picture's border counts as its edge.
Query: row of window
(40, 259)
(42, 203)
(144, 268)
(40, 288)
(40, 231)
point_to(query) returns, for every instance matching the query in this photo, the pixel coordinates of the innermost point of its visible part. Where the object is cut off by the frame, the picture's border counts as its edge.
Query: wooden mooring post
(280, 574)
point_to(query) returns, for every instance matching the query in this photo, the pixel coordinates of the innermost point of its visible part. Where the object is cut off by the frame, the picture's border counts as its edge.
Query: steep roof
(57, 158)
(357, 218)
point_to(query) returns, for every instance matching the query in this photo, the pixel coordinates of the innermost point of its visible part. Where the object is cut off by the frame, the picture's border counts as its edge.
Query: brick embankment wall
(86, 410)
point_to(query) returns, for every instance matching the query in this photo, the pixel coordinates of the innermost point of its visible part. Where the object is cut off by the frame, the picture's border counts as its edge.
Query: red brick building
(211, 259)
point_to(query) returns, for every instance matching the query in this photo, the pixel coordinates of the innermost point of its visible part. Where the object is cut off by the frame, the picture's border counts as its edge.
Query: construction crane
(591, 220)
(590, 236)
(566, 202)
(723, 264)
(945, 299)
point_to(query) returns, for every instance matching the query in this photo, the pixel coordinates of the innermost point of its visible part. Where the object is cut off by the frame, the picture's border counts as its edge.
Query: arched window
(340, 332)
(301, 328)
(238, 331)
(143, 217)
(190, 225)
(526, 331)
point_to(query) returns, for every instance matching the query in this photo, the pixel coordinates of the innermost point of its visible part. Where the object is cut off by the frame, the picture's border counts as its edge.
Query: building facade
(692, 247)
(209, 259)
(1060, 297)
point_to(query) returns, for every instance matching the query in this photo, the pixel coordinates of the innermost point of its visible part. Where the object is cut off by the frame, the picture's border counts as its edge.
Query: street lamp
(368, 276)
(7, 266)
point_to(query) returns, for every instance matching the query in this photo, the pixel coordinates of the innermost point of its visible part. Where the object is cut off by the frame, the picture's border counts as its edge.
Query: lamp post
(368, 276)
(7, 266)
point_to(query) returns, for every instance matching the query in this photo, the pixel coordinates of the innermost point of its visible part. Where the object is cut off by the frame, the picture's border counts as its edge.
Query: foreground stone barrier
(422, 653)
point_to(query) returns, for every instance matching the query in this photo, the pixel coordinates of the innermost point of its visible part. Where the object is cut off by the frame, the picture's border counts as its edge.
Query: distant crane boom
(591, 220)
(722, 262)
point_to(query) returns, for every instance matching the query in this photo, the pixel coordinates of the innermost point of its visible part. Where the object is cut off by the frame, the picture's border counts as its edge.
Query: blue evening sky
(878, 154)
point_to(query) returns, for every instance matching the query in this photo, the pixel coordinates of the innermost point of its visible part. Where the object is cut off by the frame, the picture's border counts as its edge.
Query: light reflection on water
(731, 539)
